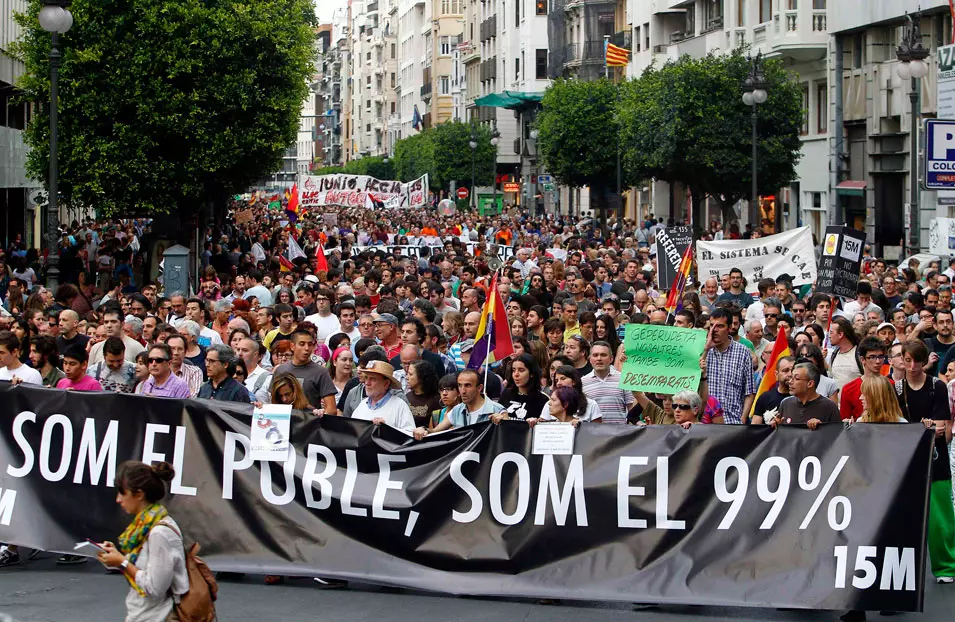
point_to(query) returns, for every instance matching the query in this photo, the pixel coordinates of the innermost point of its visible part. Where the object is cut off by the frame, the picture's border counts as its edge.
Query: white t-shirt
(394, 411)
(327, 326)
(844, 367)
(354, 335)
(24, 372)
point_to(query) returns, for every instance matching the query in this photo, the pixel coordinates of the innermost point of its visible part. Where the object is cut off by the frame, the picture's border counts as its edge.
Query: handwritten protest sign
(662, 359)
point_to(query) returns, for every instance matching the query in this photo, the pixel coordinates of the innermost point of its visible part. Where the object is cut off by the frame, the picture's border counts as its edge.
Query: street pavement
(42, 592)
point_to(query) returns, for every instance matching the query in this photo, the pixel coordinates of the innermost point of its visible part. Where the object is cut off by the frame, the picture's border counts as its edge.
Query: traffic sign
(544, 179)
(462, 192)
(939, 162)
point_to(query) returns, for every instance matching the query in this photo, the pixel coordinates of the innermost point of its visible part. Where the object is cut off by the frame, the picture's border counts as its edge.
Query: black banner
(671, 242)
(730, 515)
(840, 262)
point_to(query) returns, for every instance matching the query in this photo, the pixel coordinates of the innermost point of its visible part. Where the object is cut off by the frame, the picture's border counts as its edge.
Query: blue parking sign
(939, 161)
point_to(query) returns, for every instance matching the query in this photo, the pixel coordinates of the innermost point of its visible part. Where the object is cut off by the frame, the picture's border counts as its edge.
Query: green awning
(509, 99)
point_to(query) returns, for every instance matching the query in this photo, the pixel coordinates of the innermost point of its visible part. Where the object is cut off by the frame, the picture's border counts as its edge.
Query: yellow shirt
(570, 332)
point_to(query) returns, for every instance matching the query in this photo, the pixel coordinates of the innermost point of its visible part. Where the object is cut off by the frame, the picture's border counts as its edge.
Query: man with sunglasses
(872, 351)
(162, 382)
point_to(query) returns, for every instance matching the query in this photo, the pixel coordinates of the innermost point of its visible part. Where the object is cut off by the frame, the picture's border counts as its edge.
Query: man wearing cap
(380, 406)
(386, 329)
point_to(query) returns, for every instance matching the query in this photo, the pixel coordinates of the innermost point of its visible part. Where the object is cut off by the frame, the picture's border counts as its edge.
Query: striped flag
(780, 349)
(675, 297)
(493, 339)
(617, 56)
(292, 208)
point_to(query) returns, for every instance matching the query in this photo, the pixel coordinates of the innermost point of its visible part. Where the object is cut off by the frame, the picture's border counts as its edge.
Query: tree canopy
(444, 153)
(686, 122)
(167, 105)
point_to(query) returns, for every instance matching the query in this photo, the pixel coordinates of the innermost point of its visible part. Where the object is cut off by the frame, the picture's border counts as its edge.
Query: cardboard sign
(841, 261)
(671, 244)
(662, 359)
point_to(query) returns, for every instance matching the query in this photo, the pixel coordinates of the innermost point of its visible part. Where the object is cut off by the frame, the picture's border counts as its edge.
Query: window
(541, 7)
(517, 69)
(392, 107)
(646, 36)
(792, 5)
(817, 200)
(540, 70)
(393, 84)
(765, 11)
(858, 50)
(445, 46)
(517, 12)
(636, 37)
(818, 5)
(822, 107)
(392, 51)
(445, 85)
(368, 127)
(805, 110)
(713, 14)
(451, 7)
(368, 57)
(740, 13)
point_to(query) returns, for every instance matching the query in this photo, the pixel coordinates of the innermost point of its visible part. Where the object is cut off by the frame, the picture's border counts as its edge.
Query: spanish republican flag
(617, 56)
(292, 208)
(780, 349)
(493, 339)
(675, 297)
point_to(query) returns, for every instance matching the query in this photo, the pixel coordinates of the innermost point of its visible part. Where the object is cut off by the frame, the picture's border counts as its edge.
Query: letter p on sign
(943, 140)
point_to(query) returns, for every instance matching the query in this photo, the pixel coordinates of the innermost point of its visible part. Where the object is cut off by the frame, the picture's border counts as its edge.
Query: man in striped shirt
(731, 365)
(600, 385)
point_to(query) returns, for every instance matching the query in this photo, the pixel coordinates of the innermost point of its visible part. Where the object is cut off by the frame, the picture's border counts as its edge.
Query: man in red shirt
(872, 351)
(75, 359)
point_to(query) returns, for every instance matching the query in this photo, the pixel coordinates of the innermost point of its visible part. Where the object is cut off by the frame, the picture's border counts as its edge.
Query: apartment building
(18, 193)
(792, 30)
(871, 157)
(373, 77)
(329, 92)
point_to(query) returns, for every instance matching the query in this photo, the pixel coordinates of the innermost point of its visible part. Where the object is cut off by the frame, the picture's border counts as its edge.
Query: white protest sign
(791, 253)
(556, 439)
(271, 432)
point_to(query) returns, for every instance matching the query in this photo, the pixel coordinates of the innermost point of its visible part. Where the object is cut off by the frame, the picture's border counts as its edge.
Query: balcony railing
(623, 39)
(586, 51)
(819, 21)
(488, 28)
(426, 91)
(713, 24)
(372, 7)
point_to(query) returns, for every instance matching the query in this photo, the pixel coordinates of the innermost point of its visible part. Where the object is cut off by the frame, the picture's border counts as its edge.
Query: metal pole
(473, 197)
(915, 236)
(754, 204)
(53, 214)
(619, 175)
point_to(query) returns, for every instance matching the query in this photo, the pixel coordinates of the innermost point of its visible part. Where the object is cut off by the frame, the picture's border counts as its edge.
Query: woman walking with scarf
(150, 552)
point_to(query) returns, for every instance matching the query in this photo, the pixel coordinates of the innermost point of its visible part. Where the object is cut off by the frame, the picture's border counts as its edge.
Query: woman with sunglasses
(827, 386)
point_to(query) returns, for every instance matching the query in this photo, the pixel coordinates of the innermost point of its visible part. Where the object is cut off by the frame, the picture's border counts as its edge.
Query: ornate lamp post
(912, 55)
(754, 94)
(54, 18)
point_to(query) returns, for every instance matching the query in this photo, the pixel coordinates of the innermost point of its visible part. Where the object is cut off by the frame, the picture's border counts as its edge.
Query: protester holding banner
(729, 370)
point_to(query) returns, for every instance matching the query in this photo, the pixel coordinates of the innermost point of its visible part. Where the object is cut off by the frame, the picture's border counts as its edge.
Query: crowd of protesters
(376, 319)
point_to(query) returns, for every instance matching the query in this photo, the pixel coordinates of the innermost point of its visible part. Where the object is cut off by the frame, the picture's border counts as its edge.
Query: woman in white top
(567, 376)
(149, 553)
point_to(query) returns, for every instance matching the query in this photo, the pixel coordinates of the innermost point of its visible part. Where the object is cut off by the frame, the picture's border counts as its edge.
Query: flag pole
(490, 330)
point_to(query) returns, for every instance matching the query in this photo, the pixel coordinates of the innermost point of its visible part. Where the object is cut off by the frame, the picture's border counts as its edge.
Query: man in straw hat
(380, 406)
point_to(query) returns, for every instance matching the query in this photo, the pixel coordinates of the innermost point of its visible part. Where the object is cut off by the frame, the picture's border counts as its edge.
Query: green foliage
(374, 166)
(166, 105)
(444, 153)
(328, 170)
(686, 122)
(414, 157)
(578, 132)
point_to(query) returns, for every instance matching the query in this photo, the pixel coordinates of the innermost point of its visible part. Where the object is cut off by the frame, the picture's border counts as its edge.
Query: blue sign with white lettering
(939, 162)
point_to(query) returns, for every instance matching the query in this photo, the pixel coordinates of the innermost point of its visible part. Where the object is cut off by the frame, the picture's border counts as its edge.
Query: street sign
(544, 179)
(462, 192)
(512, 187)
(939, 161)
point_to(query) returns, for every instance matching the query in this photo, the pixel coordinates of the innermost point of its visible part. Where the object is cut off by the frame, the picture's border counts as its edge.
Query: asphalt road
(42, 591)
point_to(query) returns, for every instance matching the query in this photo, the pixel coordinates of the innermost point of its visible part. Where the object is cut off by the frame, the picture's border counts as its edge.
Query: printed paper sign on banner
(356, 190)
(270, 432)
(662, 359)
(671, 244)
(789, 253)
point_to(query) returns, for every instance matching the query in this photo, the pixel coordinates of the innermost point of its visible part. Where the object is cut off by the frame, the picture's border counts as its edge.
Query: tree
(414, 157)
(578, 134)
(686, 122)
(453, 155)
(374, 166)
(166, 106)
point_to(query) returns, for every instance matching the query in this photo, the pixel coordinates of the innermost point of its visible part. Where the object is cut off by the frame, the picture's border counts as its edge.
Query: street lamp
(531, 190)
(912, 55)
(754, 94)
(473, 145)
(495, 139)
(54, 18)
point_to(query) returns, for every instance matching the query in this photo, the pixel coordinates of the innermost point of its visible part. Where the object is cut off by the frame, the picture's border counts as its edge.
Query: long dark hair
(611, 337)
(534, 382)
(427, 377)
(571, 372)
(814, 353)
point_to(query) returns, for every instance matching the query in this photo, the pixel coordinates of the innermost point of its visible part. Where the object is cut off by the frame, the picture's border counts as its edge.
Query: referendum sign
(662, 359)
(355, 191)
(671, 244)
(742, 515)
(791, 252)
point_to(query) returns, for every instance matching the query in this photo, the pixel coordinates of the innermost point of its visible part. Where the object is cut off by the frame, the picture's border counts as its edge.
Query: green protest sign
(662, 359)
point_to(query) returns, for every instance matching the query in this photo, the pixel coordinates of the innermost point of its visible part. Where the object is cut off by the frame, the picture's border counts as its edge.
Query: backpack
(198, 604)
(835, 353)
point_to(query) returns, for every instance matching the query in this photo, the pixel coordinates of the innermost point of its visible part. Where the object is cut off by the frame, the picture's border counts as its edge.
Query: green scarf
(132, 540)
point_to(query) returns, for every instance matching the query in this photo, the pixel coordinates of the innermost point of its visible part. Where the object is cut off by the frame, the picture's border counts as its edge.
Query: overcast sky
(326, 8)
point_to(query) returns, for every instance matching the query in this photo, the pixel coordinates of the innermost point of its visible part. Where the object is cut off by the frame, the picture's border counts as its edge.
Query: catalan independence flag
(493, 339)
(780, 349)
(675, 297)
(617, 56)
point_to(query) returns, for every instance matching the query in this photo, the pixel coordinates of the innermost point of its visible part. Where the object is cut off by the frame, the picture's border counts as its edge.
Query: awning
(509, 99)
(851, 188)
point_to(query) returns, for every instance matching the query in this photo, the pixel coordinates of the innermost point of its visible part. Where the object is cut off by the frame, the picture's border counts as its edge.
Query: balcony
(713, 24)
(469, 52)
(489, 69)
(588, 52)
(488, 28)
(799, 35)
(623, 39)
(573, 5)
(372, 7)
(426, 91)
